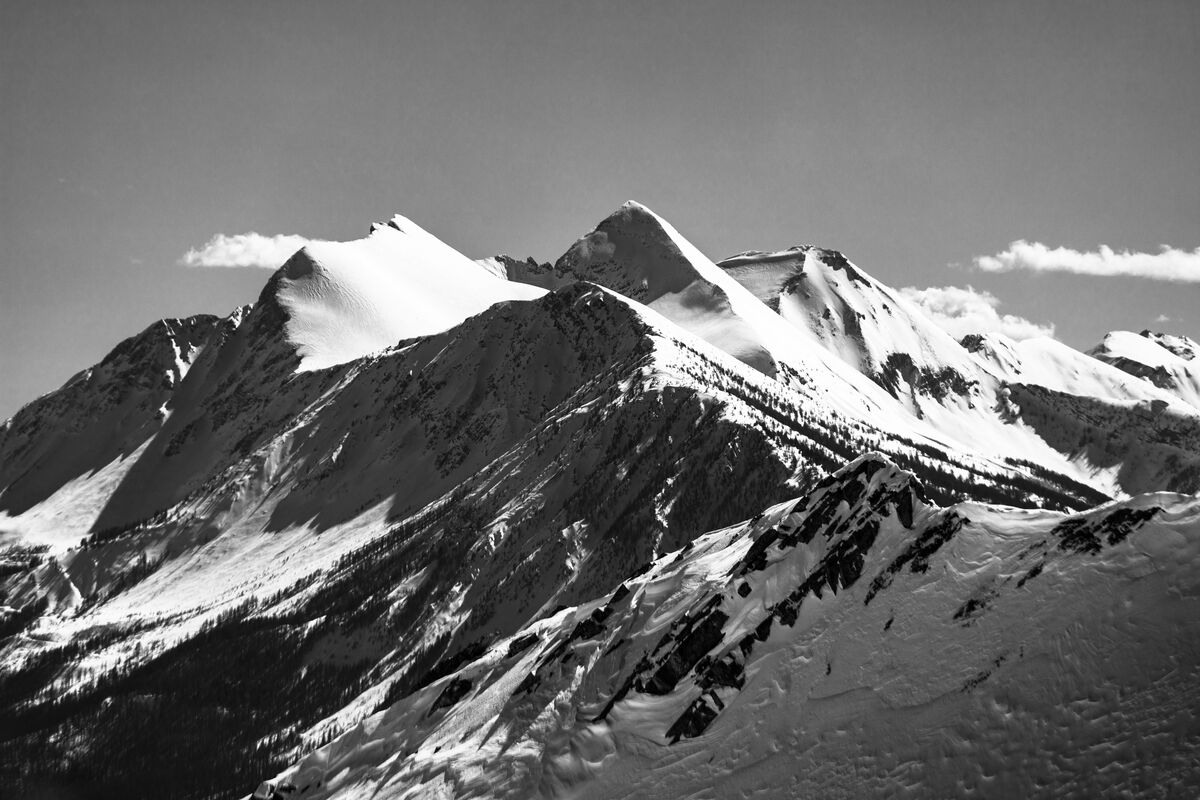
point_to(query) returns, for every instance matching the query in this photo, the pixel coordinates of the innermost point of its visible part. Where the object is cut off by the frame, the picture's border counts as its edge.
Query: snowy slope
(866, 324)
(1110, 422)
(528, 271)
(966, 393)
(639, 255)
(1168, 362)
(347, 299)
(1050, 363)
(855, 642)
(579, 401)
(820, 292)
(332, 302)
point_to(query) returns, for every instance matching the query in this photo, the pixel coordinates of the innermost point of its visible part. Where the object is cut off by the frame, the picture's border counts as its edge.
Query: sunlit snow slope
(1168, 362)
(347, 299)
(1036, 401)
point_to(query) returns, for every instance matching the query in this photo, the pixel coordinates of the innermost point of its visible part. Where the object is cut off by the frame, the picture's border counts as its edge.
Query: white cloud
(1169, 264)
(244, 250)
(1162, 318)
(961, 311)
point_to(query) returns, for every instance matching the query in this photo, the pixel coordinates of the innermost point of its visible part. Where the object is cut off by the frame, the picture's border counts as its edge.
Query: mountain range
(636, 523)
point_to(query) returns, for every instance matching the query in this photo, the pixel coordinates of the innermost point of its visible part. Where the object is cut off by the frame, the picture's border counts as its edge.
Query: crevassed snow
(347, 299)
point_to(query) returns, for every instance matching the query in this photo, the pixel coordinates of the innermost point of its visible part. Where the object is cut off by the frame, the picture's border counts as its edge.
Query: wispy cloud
(1162, 318)
(1169, 264)
(962, 311)
(244, 250)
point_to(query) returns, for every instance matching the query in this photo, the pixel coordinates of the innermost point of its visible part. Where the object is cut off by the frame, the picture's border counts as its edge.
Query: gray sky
(910, 135)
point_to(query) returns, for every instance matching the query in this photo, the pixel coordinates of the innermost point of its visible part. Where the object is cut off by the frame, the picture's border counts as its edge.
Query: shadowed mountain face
(517, 521)
(105, 413)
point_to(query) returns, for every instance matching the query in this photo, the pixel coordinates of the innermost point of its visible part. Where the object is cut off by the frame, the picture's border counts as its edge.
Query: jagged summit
(1182, 346)
(342, 300)
(637, 253)
(528, 271)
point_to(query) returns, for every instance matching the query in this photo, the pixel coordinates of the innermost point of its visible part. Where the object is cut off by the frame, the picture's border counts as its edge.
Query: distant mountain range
(632, 524)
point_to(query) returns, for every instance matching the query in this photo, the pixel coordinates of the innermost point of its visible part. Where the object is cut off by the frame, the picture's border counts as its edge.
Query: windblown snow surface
(347, 299)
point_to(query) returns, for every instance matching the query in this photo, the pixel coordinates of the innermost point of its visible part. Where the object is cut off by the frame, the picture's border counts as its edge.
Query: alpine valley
(635, 524)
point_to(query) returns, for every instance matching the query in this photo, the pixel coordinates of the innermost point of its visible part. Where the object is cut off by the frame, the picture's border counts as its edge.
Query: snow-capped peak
(343, 300)
(1163, 360)
(636, 253)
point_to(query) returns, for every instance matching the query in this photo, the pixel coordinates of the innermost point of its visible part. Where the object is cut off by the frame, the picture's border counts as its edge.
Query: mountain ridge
(332, 523)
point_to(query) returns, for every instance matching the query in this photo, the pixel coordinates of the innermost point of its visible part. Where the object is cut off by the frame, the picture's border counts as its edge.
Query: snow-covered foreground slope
(1168, 362)
(854, 642)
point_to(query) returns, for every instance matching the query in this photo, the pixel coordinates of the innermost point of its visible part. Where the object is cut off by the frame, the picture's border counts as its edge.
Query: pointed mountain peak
(637, 253)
